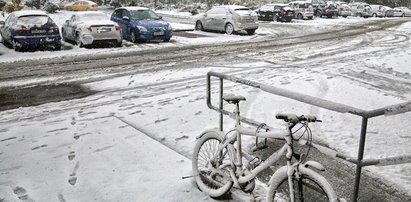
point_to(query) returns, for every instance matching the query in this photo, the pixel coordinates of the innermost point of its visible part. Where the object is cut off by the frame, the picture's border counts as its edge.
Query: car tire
(167, 40)
(300, 16)
(310, 18)
(250, 31)
(374, 15)
(199, 26)
(57, 46)
(275, 18)
(78, 40)
(17, 48)
(229, 29)
(318, 14)
(403, 15)
(133, 36)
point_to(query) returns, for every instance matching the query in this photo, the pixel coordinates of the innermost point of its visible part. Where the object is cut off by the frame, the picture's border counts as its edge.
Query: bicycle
(218, 162)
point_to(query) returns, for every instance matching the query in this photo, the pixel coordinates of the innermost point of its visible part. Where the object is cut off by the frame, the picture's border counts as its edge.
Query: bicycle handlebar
(296, 119)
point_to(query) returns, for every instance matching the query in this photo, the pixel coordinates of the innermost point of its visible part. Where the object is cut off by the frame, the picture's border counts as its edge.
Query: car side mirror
(2, 23)
(126, 18)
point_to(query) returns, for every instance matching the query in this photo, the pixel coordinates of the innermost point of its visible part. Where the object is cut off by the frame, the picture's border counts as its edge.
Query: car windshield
(267, 8)
(94, 16)
(243, 11)
(34, 20)
(143, 15)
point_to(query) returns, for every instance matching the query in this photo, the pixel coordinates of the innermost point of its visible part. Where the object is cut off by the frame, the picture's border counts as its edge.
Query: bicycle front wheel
(309, 187)
(210, 169)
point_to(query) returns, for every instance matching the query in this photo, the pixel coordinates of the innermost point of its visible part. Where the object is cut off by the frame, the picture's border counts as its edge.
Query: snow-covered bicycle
(218, 162)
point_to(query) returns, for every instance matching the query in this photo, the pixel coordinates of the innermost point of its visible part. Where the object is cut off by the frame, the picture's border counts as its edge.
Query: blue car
(24, 29)
(141, 24)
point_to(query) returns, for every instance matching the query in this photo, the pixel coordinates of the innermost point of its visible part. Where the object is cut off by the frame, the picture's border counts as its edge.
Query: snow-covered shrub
(35, 3)
(15, 5)
(51, 7)
(2, 4)
(115, 3)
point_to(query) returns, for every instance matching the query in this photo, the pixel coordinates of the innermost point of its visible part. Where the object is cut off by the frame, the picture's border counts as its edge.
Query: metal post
(360, 158)
(221, 105)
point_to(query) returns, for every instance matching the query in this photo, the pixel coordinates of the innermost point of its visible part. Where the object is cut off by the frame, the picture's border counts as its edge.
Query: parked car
(377, 10)
(141, 24)
(330, 10)
(402, 12)
(91, 27)
(389, 12)
(31, 28)
(303, 9)
(361, 9)
(276, 12)
(344, 9)
(81, 6)
(229, 18)
(324, 8)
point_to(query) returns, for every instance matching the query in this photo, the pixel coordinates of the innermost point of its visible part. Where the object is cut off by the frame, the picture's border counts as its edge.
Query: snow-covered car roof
(135, 8)
(233, 7)
(90, 2)
(29, 12)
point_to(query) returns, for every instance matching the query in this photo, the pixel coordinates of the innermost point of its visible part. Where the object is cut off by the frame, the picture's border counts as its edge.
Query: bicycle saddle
(234, 99)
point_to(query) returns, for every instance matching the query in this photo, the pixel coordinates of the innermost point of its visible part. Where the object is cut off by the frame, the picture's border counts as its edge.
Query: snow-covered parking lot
(132, 139)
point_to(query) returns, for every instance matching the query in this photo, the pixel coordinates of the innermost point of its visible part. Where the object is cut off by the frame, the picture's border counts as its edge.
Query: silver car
(402, 12)
(229, 18)
(303, 9)
(91, 27)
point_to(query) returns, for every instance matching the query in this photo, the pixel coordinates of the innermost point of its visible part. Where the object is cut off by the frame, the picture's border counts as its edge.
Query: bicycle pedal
(259, 148)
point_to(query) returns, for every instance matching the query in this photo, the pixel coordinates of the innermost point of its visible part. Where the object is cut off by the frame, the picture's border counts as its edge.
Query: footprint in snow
(72, 155)
(21, 193)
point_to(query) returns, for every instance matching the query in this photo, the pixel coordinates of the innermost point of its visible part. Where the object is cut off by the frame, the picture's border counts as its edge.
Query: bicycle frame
(240, 177)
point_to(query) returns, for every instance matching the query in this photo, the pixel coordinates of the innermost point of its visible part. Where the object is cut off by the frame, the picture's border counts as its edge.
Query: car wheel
(318, 14)
(310, 18)
(199, 26)
(374, 15)
(78, 40)
(300, 16)
(17, 48)
(275, 18)
(167, 40)
(229, 29)
(250, 31)
(57, 46)
(133, 36)
(403, 15)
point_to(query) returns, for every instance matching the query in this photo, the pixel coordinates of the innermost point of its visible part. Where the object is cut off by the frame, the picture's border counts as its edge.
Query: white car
(229, 18)
(343, 9)
(377, 10)
(91, 27)
(402, 12)
(303, 9)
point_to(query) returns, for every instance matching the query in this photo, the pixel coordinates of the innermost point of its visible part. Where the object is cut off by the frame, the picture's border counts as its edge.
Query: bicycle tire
(214, 184)
(313, 185)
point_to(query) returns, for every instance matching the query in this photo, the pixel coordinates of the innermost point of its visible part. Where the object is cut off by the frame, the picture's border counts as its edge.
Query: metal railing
(321, 103)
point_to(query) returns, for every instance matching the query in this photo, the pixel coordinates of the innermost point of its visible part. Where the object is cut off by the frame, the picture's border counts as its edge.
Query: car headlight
(141, 28)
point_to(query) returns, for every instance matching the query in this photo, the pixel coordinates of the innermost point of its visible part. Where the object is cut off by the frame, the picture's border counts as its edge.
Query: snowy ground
(93, 149)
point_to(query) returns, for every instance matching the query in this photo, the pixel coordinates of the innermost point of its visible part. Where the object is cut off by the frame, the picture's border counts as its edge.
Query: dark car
(141, 24)
(24, 29)
(276, 12)
(324, 8)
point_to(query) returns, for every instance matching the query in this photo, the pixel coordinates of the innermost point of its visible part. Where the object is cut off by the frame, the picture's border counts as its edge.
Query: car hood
(151, 23)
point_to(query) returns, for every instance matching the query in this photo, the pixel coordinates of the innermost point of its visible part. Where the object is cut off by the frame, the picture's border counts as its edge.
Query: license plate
(104, 30)
(38, 31)
(158, 33)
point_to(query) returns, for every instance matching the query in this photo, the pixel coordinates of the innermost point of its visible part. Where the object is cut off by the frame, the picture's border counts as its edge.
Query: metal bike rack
(321, 103)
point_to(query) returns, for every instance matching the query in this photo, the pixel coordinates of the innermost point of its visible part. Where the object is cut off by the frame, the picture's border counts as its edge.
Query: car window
(34, 20)
(143, 15)
(267, 8)
(242, 10)
(9, 20)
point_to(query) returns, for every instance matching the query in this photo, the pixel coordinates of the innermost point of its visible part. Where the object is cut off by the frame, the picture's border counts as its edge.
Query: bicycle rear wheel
(210, 176)
(309, 187)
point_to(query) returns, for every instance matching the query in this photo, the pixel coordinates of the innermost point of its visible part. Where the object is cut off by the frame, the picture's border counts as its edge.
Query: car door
(70, 28)
(118, 17)
(209, 19)
(220, 18)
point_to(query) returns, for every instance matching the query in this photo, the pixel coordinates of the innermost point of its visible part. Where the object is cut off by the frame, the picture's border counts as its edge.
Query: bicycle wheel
(311, 186)
(210, 177)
